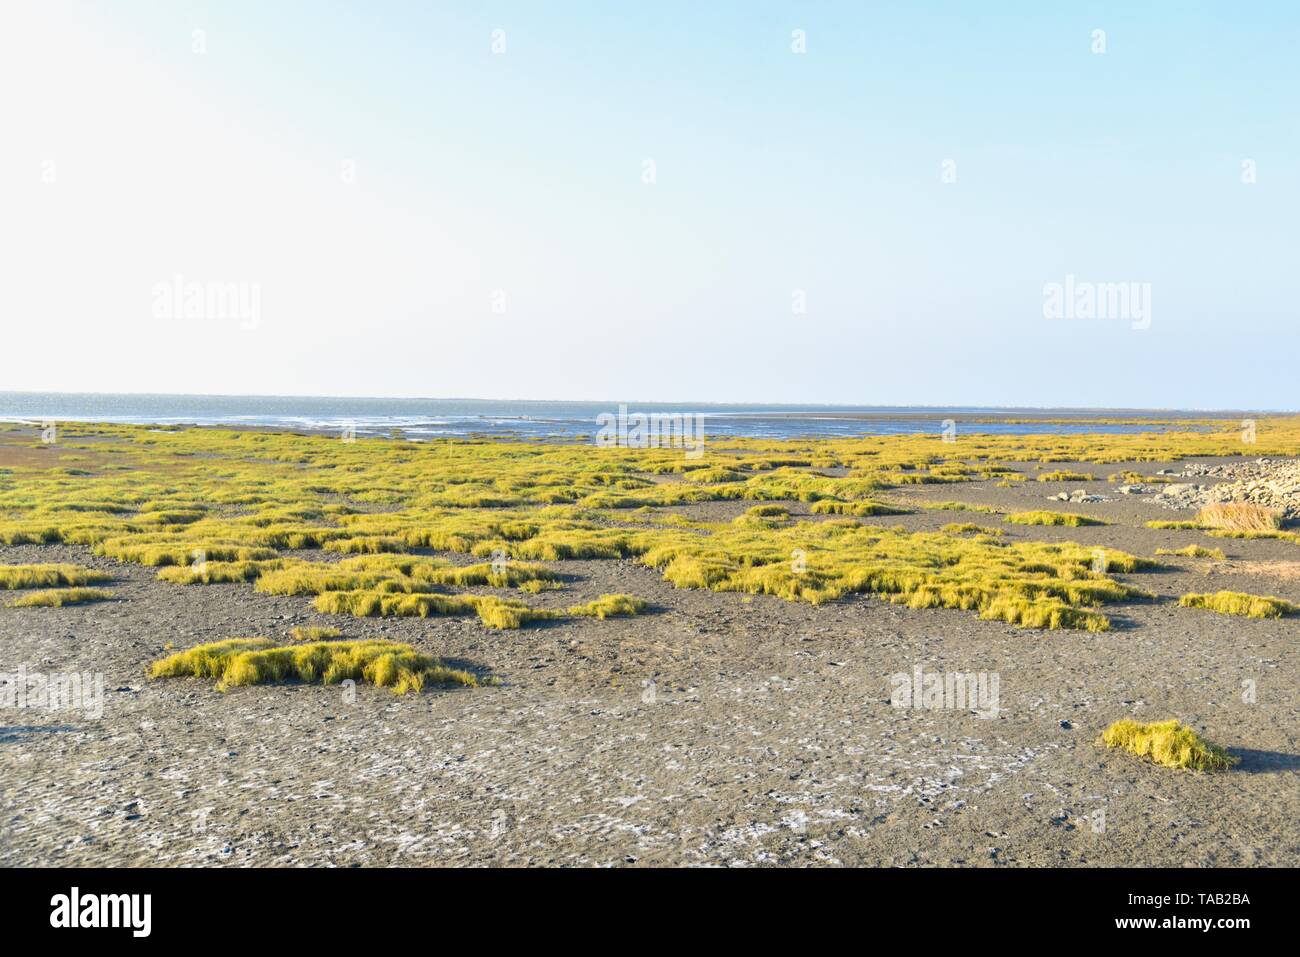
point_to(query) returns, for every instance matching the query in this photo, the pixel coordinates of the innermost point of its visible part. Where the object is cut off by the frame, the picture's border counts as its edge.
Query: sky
(787, 202)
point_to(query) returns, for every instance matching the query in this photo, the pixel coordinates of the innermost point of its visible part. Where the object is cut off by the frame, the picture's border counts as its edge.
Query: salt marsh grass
(1241, 604)
(1239, 517)
(1169, 744)
(235, 662)
(1194, 551)
(48, 576)
(1051, 518)
(58, 597)
(207, 506)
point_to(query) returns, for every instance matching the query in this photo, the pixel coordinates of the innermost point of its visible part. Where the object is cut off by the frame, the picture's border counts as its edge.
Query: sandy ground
(715, 730)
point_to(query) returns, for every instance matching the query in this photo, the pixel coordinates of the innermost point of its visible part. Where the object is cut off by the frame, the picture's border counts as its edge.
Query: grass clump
(609, 606)
(1162, 525)
(969, 528)
(58, 597)
(314, 633)
(1239, 517)
(1051, 518)
(958, 507)
(1062, 475)
(210, 573)
(48, 576)
(494, 612)
(251, 661)
(367, 545)
(1241, 604)
(1194, 551)
(400, 573)
(1170, 744)
(861, 509)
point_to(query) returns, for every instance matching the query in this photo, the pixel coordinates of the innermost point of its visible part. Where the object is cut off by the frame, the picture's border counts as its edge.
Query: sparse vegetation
(1051, 518)
(1241, 604)
(969, 528)
(1170, 744)
(609, 606)
(1194, 551)
(1062, 475)
(252, 661)
(58, 597)
(48, 576)
(1239, 517)
(213, 505)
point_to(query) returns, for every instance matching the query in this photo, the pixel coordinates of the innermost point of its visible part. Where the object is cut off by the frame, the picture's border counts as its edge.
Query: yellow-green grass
(609, 606)
(1277, 535)
(398, 573)
(957, 507)
(1170, 744)
(48, 576)
(1063, 475)
(1041, 517)
(236, 662)
(1240, 517)
(492, 611)
(210, 573)
(1162, 524)
(224, 496)
(1194, 551)
(1241, 604)
(969, 528)
(367, 545)
(314, 633)
(1034, 584)
(831, 507)
(58, 597)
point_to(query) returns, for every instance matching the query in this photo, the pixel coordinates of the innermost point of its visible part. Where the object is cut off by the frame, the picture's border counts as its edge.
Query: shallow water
(430, 418)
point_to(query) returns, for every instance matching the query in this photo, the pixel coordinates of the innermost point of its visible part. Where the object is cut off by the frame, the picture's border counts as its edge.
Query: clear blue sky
(521, 172)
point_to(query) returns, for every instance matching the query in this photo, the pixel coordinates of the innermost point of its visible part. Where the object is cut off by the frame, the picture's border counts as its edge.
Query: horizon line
(811, 406)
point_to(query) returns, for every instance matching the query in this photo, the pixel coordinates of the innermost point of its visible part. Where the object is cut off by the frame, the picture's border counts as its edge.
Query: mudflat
(716, 728)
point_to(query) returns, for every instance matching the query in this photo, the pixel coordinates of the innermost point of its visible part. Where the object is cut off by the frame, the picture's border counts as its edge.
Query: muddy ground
(716, 730)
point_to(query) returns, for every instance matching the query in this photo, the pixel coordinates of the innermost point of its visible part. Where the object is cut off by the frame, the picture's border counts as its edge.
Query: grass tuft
(1239, 517)
(58, 597)
(609, 606)
(236, 662)
(1067, 476)
(1051, 518)
(48, 576)
(1241, 604)
(1170, 744)
(1195, 551)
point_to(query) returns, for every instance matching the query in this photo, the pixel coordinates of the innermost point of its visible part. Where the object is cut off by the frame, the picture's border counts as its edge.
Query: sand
(714, 731)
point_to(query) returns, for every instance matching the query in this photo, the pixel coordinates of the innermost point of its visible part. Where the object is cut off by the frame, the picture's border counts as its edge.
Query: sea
(425, 419)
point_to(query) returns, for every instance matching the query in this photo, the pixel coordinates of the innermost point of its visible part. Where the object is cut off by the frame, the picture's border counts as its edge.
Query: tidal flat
(485, 651)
